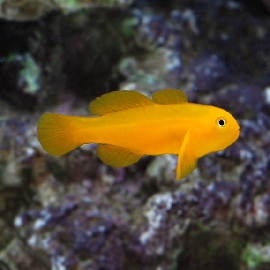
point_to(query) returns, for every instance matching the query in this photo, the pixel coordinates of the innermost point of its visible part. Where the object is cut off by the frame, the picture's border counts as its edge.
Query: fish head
(224, 129)
(216, 130)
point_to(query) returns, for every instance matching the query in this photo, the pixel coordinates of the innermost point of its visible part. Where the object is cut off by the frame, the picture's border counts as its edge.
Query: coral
(29, 75)
(256, 254)
(242, 98)
(207, 73)
(167, 73)
(81, 233)
(156, 213)
(32, 10)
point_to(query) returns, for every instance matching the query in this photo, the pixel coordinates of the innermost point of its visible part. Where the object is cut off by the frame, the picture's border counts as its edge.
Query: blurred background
(73, 212)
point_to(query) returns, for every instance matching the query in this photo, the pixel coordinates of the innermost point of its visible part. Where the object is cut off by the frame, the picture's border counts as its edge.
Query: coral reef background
(74, 212)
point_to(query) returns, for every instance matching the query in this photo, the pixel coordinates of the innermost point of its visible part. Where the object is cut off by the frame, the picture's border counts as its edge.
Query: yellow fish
(131, 125)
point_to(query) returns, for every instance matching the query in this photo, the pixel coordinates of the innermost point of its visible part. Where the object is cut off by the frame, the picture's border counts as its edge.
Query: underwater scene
(134, 135)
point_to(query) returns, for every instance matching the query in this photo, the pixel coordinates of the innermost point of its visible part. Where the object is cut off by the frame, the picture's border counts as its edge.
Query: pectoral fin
(186, 159)
(116, 156)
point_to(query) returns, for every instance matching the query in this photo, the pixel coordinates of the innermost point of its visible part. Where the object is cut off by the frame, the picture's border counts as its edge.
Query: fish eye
(221, 122)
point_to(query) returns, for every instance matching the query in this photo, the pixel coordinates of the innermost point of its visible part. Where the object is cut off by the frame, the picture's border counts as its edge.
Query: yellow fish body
(131, 125)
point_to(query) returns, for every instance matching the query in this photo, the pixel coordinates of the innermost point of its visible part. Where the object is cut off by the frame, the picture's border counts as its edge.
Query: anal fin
(186, 159)
(116, 156)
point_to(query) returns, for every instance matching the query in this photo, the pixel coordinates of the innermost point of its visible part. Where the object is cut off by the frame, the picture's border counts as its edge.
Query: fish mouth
(238, 131)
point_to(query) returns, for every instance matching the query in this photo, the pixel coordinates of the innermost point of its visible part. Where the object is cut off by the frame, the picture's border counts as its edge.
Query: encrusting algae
(131, 125)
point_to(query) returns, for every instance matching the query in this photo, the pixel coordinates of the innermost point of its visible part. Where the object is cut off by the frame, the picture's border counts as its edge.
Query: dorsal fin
(169, 96)
(118, 101)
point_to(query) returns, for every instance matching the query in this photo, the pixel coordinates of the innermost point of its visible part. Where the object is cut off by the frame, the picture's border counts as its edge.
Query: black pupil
(221, 122)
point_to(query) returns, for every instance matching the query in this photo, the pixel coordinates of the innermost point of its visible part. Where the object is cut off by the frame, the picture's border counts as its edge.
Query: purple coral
(207, 73)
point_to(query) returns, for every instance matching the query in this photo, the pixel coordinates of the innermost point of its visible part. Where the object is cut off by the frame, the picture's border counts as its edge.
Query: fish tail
(59, 134)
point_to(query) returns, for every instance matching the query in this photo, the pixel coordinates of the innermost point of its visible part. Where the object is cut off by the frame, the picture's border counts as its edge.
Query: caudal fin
(57, 133)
